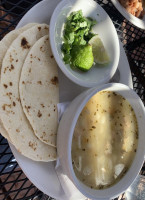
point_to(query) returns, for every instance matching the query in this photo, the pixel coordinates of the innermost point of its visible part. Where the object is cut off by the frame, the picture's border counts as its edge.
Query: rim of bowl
(60, 62)
(139, 163)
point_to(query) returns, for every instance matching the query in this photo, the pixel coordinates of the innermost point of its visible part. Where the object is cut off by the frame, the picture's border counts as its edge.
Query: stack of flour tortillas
(29, 92)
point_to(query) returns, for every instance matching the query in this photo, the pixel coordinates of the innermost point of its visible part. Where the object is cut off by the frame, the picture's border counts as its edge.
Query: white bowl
(97, 74)
(66, 130)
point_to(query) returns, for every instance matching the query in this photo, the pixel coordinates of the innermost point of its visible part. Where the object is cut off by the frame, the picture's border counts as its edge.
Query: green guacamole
(82, 57)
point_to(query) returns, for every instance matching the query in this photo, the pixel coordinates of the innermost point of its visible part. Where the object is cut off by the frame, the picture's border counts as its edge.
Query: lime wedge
(99, 52)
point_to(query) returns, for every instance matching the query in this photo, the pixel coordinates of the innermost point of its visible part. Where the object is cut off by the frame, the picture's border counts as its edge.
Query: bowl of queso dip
(103, 149)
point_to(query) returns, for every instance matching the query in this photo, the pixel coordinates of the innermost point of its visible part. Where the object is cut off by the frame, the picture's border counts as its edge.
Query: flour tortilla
(9, 38)
(39, 92)
(14, 120)
(4, 45)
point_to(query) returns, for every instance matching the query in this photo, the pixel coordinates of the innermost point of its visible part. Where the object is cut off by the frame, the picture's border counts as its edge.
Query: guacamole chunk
(82, 57)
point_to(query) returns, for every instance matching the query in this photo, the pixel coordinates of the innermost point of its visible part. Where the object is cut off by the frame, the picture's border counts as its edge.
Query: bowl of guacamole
(84, 42)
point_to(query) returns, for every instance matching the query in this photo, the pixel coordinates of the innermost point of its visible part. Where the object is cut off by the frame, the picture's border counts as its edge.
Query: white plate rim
(125, 77)
(140, 23)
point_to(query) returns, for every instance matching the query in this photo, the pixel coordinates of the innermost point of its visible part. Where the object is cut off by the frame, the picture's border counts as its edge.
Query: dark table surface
(13, 182)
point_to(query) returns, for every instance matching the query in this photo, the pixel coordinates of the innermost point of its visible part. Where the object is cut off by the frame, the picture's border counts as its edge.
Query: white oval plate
(140, 23)
(43, 175)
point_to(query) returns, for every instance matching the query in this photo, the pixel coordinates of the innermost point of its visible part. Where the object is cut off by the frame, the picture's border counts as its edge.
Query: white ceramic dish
(43, 175)
(65, 135)
(97, 74)
(140, 23)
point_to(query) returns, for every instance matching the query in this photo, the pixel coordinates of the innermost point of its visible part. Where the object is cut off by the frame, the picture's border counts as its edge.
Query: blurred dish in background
(132, 10)
(134, 7)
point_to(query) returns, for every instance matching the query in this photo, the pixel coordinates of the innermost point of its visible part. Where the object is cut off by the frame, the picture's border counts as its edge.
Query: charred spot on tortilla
(3, 107)
(45, 41)
(52, 56)
(7, 105)
(5, 69)
(9, 95)
(30, 70)
(33, 145)
(39, 82)
(10, 83)
(11, 68)
(14, 104)
(39, 28)
(42, 105)
(42, 49)
(5, 85)
(39, 114)
(54, 80)
(17, 60)
(11, 59)
(24, 43)
(27, 108)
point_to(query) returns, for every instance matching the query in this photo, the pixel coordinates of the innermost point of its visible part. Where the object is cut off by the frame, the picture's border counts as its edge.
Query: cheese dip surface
(105, 140)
